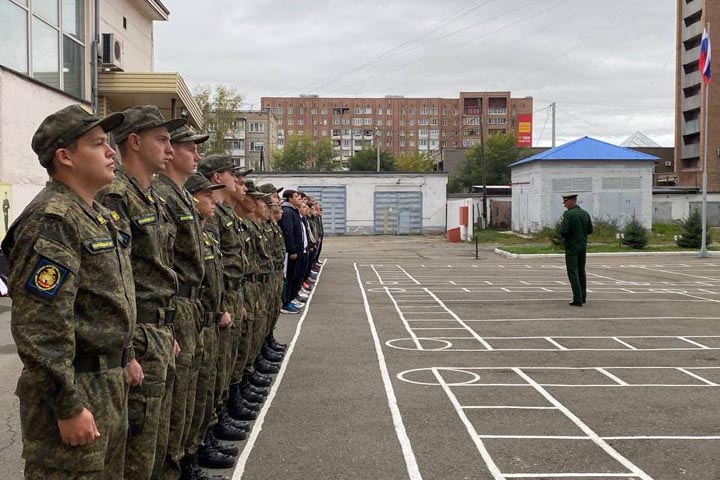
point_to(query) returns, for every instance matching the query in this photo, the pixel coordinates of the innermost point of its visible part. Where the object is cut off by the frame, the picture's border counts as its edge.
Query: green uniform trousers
(575, 265)
(244, 361)
(149, 403)
(204, 402)
(105, 396)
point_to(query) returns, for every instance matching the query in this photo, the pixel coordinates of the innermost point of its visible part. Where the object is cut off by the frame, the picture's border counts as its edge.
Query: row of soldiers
(144, 300)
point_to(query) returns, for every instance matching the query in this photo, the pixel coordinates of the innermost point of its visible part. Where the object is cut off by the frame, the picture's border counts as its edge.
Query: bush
(691, 234)
(635, 235)
(604, 230)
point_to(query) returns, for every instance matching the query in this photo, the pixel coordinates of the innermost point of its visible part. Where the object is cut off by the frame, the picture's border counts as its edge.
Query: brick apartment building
(692, 15)
(402, 125)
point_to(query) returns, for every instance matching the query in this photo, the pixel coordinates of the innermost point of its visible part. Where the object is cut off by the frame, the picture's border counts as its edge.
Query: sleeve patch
(46, 279)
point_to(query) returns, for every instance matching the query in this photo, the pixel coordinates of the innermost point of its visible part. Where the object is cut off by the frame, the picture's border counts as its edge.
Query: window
(346, 132)
(281, 142)
(367, 121)
(433, 121)
(335, 132)
(301, 110)
(301, 133)
(289, 121)
(358, 111)
(313, 111)
(48, 47)
(323, 111)
(412, 112)
(357, 121)
(257, 146)
(323, 133)
(301, 121)
(277, 110)
(357, 132)
(290, 111)
(336, 121)
(314, 121)
(423, 132)
(236, 145)
(388, 123)
(402, 122)
(379, 122)
(423, 121)
(402, 143)
(368, 111)
(411, 143)
(346, 143)
(411, 122)
(345, 121)
(380, 111)
(423, 142)
(388, 111)
(434, 133)
(259, 127)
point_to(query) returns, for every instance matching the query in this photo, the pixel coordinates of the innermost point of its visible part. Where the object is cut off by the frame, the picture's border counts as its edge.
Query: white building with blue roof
(611, 182)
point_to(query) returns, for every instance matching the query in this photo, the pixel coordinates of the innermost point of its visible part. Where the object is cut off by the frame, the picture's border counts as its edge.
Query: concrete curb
(507, 254)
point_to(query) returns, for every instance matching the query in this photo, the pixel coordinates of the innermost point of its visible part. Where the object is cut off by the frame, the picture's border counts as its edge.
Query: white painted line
(405, 445)
(560, 347)
(438, 328)
(459, 320)
(408, 275)
(653, 437)
(377, 274)
(504, 407)
(704, 380)
(489, 462)
(643, 267)
(704, 347)
(570, 475)
(614, 378)
(257, 427)
(535, 437)
(698, 297)
(585, 428)
(583, 319)
(410, 331)
(624, 343)
(451, 282)
(465, 289)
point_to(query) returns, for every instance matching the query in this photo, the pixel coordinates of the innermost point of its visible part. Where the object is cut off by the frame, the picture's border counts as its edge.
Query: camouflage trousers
(149, 403)
(275, 289)
(204, 393)
(261, 315)
(229, 343)
(244, 362)
(104, 394)
(187, 321)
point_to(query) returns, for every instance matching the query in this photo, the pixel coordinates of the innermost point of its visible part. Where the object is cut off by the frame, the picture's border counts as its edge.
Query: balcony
(692, 7)
(472, 111)
(237, 152)
(693, 30)
(690, 151)
(690, 127)
(690, 103)
(497, 111)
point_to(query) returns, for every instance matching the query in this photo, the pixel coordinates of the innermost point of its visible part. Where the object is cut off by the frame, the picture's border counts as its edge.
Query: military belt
(158, 316)
(95, 363)
(186, 291)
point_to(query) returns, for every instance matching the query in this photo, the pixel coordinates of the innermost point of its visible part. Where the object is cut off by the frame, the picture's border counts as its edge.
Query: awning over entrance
(120, 90)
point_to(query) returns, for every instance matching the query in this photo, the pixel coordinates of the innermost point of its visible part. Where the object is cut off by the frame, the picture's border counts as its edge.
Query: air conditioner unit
(668, 163)
(112, 53)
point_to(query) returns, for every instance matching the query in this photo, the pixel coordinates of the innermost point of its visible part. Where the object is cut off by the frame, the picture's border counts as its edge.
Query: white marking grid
(416, 301)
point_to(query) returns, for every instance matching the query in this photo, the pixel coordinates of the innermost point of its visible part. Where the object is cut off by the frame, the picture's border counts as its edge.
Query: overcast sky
(609, 64)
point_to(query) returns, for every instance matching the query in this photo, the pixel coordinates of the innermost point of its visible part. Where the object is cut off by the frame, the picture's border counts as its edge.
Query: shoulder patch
(58, 209)
(46, 279)
(101, 219)
(209, 257)
(186, 217)
(114, 215)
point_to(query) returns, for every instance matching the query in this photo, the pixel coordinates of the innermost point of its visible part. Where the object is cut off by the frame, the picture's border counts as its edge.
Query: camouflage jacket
(264, 247)
(232, 244)
(278, 247)
(187, 255)
(72, 288)
(213, 286)
(255, 245)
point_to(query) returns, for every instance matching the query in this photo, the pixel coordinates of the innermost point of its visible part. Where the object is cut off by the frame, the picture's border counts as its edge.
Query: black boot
(186, 471)
(265, 367)
(208, 457)
(270, 355)
(239, 424)
(224, 430)
(224, 448)
(274, 344)
(255, 407)
(238, 411)
(251, 396)
(260, 380)
(257, 390)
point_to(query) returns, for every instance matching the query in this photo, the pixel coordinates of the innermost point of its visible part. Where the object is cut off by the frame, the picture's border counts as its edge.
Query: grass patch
(597, 248)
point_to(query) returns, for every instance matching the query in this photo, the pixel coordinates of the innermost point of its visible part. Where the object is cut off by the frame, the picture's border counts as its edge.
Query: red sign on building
(524, 131)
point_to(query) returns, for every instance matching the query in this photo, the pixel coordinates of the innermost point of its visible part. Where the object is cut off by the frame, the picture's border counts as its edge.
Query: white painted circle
(444, 344)
(377, 282)
(383, 290)
(474, 377)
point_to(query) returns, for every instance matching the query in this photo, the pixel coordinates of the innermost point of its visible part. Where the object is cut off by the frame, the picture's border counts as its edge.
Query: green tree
(219, 105)
(366, 161)
(494, 159)
(691, 235)
(414, 162)
(635, 235)
(304, 153)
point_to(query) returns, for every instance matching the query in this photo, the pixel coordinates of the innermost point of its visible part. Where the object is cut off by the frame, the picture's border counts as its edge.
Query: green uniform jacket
(213, 286)
(73, 295)
(232, 244)
(576, 226)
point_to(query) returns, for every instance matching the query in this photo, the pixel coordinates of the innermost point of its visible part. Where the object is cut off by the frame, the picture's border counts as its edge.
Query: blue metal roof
(587, 148)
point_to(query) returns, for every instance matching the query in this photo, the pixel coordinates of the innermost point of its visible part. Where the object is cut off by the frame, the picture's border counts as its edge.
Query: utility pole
(553, 114)
(377, 139)
(482, 165)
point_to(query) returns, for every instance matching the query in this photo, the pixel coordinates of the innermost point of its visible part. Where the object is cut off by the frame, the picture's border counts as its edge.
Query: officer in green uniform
(73, 310)
(576, 226)
(220, 169)
(215, 318)
(144, 143)
(188, 265)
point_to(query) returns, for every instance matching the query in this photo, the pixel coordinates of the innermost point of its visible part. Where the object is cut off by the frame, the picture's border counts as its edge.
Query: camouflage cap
(216, 163)
(144, 117)
(269, 188)
(198, 182)
(253, 191)
(67, 125)
(185, 133)
(244, 173)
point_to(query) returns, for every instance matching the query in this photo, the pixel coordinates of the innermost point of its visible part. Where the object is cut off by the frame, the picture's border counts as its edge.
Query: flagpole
(703, 241)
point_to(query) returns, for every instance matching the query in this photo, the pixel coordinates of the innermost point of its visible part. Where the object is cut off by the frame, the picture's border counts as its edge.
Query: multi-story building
(251, 139)
(401, 125)
(690, 131)
(46, 58)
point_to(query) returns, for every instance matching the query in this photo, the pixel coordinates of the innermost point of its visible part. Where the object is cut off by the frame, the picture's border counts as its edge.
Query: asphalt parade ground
(414, 360)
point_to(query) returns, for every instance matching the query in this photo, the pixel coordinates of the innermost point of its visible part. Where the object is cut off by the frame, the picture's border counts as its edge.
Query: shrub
(552, 234)
(636, 236)
(604, 230)
(691, 234)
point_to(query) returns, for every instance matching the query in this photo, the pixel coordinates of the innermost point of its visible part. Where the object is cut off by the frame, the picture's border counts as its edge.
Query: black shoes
(223, 448)
(251, 396)
(576, 304)
(226, 431)
(259, 380)
(270, 355)
(266, 367)
(208, 457)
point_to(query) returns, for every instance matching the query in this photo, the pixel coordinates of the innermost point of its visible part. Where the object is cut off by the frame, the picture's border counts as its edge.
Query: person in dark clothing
(576, 226)
(295, 247)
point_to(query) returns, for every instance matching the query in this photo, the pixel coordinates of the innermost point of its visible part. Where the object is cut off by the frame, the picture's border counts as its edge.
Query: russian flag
(704, 61)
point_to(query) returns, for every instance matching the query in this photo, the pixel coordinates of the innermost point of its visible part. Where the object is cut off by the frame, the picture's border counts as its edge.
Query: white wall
(360, 191)
(536, 204)
(23, 106)
(680, 205)
(137, 38)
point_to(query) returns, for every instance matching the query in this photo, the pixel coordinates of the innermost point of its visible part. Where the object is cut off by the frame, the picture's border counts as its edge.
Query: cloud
(609, 64)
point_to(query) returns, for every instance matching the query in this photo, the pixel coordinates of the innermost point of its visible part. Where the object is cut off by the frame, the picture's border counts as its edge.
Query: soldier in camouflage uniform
(73, 309)
(215, 319)
(220, 169)
(144, 143)
(278, 262)
(188, 265)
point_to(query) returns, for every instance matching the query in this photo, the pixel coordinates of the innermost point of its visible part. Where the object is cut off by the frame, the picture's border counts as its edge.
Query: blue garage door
(333, 203)
(398, 213)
